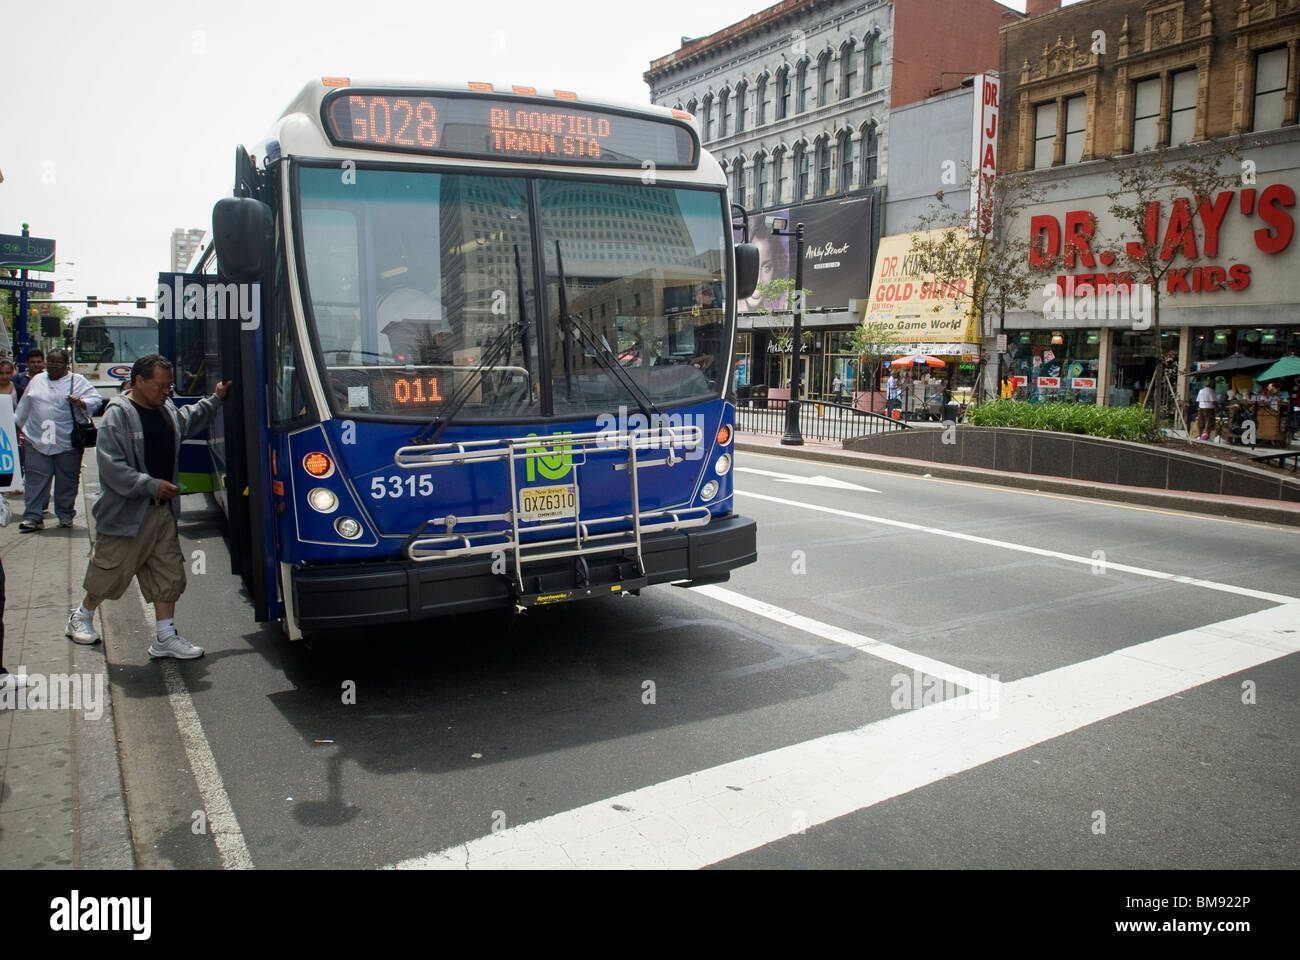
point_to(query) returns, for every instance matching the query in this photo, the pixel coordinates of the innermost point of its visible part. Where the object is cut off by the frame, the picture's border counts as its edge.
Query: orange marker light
(681, 115)
(565, 95)
(724, 435)
(525, 91)
(481, 87)
(336, 81)
(317, 464)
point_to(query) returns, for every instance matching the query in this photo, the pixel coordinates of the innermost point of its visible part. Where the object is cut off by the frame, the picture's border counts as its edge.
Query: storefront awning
(783, 321)
(938, 349)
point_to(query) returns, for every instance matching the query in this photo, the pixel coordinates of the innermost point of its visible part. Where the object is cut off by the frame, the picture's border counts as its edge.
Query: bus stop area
(62, 804)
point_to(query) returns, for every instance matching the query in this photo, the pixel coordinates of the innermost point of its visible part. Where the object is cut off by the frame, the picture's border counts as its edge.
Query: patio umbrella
(1234, 362)
(1286, 367)
(921, 359)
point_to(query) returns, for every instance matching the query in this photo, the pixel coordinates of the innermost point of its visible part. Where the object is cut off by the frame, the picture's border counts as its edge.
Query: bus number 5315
(381, 487)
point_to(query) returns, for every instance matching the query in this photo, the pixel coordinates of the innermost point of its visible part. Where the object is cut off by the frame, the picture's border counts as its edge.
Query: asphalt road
(1131, 677)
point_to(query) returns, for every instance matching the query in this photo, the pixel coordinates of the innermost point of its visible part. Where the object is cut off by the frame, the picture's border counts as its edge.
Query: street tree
(1194, 183)
(871, 343)
(987, 268)
(778, 301)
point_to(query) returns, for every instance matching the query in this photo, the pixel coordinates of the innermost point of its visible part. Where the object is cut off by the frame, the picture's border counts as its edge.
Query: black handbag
(84, 434)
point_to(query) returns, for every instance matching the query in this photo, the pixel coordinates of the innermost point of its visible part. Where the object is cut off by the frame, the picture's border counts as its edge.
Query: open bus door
(193, 323)
(248, 459)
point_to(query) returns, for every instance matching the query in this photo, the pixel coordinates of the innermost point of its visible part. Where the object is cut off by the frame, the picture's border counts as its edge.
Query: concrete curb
(1240, 508)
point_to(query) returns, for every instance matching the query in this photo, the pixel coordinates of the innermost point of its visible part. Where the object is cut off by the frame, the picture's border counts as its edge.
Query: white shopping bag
(9, 464)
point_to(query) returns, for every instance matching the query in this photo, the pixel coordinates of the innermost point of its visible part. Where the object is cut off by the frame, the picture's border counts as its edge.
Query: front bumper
(353, 595)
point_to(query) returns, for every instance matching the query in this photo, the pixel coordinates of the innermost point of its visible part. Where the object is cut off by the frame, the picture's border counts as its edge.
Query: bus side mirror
(746, 270)
(243, 233)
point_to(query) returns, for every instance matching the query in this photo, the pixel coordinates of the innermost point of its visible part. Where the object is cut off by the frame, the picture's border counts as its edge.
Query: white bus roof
(117, 315)
(299, 131)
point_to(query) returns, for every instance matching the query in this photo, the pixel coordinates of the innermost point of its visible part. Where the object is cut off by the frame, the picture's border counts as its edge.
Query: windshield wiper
(604, 354)
(503, 342)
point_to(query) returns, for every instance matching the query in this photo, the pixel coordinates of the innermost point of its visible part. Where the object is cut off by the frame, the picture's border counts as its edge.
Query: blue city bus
(481, 340)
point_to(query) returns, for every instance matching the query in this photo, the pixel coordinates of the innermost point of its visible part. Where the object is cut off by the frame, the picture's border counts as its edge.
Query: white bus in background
(105, 345)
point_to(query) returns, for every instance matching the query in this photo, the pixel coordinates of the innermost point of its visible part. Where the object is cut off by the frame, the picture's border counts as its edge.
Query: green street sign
(26, 253)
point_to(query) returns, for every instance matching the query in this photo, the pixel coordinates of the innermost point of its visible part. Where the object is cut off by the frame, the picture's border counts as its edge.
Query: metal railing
(818, 420)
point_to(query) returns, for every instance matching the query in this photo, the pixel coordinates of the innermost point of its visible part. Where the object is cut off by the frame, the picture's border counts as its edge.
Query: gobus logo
(555, 463)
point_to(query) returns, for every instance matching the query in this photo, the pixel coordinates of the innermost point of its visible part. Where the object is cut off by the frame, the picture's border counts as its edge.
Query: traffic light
(50, 327)
(140, 302)
(92, 303)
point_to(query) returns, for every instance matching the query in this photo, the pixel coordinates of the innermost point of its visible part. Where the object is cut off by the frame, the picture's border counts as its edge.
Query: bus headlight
(723, 465)
(709, 491)
(322, 500)
(347, 528)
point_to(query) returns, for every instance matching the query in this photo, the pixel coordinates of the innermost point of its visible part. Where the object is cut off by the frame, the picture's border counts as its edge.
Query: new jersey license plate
(547, 503)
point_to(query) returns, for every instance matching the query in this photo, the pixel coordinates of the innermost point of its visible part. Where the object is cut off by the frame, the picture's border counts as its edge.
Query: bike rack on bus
(582, 537)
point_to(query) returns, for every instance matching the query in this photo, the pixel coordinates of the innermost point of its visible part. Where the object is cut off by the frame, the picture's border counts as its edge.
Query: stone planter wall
(1077, 457)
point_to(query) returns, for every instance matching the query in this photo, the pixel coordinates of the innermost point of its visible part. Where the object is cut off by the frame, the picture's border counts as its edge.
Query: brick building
(795, 103)
(1101, 84)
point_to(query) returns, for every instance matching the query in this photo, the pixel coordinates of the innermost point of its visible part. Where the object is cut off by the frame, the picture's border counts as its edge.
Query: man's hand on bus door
(167, 490)
(221, 388)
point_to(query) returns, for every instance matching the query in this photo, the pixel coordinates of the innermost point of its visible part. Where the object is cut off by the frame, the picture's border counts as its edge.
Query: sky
(121, 119)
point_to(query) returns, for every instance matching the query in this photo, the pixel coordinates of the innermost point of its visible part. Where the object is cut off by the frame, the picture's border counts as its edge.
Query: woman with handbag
(54, 414)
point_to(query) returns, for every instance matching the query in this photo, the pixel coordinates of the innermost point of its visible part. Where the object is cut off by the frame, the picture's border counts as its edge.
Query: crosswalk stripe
(858, 641)
(706, 817)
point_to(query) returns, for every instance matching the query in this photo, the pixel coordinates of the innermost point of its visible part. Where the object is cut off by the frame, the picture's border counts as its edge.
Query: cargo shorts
(153, 555)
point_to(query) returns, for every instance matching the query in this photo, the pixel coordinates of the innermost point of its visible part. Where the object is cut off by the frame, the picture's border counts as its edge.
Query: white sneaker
(6, 514)
(174, 646)
(81, 629)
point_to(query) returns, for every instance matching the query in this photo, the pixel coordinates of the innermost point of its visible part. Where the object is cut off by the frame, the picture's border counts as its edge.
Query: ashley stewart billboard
(837, 252)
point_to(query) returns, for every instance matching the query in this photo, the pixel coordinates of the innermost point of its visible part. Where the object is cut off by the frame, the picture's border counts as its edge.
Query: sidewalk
(61, 797)
(1243, 508)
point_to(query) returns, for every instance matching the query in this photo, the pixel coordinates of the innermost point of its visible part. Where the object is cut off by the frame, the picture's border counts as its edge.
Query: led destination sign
(505, 129)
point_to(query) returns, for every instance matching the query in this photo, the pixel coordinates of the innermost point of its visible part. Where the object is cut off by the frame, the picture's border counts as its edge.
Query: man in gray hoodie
(138, 453)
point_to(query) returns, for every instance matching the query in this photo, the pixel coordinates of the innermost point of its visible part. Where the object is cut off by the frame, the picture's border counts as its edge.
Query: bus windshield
(114, 339)
(412, 275)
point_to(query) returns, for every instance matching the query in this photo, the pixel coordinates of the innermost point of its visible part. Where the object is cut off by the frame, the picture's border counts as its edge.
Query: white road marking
(710, 816)
(217, 807)
(827, 631)
(817, 481)
(1105, 565)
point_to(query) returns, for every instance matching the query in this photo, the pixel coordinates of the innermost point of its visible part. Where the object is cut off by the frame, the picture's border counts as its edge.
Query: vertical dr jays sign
(984, 153)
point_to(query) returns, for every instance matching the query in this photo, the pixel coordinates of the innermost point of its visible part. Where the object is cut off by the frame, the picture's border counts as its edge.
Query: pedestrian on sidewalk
(45, 416)
(139, 506)
(1206, 400)
(8, 386)
(35, 365)
(891, 393)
